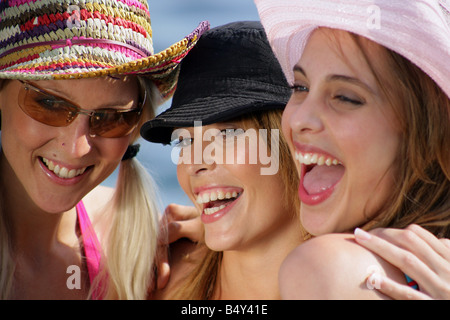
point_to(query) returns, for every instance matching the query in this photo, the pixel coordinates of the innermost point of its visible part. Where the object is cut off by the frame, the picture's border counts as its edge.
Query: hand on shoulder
(332, 266)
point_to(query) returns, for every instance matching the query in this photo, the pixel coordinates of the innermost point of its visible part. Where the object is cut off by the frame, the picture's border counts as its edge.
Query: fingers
(176, 212)
(436, 244)
(181, 222)
(395, 255)
(177, 222)
(416, 252)
(446, 242)
(417, 244)
(190, 229)
(393, 289)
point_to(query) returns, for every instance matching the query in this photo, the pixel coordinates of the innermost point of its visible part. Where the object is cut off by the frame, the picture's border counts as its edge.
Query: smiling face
(239, 206)
(57, 166)
(342, 131)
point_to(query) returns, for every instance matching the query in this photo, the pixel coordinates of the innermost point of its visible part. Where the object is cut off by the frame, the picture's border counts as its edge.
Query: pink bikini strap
(91, 245)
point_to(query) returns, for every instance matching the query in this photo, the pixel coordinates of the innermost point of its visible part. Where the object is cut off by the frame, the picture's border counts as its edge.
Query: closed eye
(346, 99)
(50, 103)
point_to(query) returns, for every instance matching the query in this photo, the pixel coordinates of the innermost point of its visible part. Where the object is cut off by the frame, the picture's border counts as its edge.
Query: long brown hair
(422, 194)
(201, 283)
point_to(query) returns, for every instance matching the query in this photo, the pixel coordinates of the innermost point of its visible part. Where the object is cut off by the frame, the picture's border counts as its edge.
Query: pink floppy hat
(419, 30)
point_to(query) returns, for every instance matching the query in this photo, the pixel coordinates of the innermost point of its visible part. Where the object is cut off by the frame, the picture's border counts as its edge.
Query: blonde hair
(423, 161)
(131, 241)
(201, 283)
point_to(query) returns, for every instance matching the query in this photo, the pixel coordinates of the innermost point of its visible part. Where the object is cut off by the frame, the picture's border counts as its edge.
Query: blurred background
(172, 20)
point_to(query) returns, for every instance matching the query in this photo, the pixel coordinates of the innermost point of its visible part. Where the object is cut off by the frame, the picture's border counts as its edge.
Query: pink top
(92, 249)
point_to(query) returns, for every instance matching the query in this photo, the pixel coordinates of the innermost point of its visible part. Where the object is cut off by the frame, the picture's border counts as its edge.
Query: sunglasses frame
(75, 110)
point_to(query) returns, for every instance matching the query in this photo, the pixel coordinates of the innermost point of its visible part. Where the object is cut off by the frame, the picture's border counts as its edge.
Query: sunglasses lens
(114, 124)
(45, 108)
(57, 112)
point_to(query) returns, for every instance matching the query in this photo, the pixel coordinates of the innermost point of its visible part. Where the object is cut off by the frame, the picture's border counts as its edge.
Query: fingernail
(374, 281)
(362, 235)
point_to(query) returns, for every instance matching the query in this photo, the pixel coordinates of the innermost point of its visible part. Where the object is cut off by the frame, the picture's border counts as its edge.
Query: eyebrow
(297, 68)
(338, 77)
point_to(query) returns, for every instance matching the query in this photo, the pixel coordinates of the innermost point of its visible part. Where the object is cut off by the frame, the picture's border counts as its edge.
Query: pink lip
(62, 181)
(303, 148)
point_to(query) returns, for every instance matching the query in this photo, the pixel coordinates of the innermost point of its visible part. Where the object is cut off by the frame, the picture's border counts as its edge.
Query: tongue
(218, 203)
(321, 178)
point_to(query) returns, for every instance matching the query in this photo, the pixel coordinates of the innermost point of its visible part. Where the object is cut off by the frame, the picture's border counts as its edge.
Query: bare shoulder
(332, 266)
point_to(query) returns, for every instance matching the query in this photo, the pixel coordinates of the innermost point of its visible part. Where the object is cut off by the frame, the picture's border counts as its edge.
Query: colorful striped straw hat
(419, 30)
(68, 39)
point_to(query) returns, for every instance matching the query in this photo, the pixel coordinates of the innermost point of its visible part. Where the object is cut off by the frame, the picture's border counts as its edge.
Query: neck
(35, 233)
(253, 273)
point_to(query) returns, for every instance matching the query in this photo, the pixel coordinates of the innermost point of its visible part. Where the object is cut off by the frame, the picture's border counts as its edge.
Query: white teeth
(314, 158)
(215, 195)
(62, 172)
(212, 196)
(209, 211)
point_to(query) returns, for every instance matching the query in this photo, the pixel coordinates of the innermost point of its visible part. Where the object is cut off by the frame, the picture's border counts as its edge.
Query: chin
(316, 224)
(219, 243)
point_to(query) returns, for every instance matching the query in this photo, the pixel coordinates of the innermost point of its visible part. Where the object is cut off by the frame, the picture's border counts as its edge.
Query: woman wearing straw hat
(371, 90)
(77, 81)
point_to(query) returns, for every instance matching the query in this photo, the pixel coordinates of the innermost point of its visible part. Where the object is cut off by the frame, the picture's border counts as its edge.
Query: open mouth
(62, 172)
(321, 172)
(216, 200)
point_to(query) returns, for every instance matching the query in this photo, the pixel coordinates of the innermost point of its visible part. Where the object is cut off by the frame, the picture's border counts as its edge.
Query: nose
(305, 117)
(200, 157)
(76, 138)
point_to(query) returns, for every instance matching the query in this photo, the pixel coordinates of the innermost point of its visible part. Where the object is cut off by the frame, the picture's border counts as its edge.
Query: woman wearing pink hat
(77, 78)
(369, 125)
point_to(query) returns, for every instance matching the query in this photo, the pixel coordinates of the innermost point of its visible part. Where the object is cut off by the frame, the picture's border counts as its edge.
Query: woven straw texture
(67, 39)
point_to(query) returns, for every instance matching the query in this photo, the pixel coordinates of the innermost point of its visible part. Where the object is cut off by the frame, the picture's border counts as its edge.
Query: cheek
(31, 134)
(183, 177)
(371, 150)
(112, 151)
(117, 148)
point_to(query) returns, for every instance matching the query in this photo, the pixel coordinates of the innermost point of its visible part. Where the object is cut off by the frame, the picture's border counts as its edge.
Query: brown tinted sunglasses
(55, 111)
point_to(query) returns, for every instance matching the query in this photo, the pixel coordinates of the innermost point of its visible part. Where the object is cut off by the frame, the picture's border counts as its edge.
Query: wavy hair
(202, 282)
(422, 109)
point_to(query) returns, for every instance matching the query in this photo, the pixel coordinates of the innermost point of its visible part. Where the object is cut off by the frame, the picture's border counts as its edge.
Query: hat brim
(417, 30)
(226, 108)
(161, 67)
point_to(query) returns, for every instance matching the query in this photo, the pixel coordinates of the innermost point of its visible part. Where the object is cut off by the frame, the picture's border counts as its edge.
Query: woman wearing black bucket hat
(231, 80)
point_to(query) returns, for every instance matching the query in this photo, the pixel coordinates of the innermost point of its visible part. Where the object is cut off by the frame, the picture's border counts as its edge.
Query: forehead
(331, 48)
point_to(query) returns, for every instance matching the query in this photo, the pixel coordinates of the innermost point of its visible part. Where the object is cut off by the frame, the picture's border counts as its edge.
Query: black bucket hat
(231, 71)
